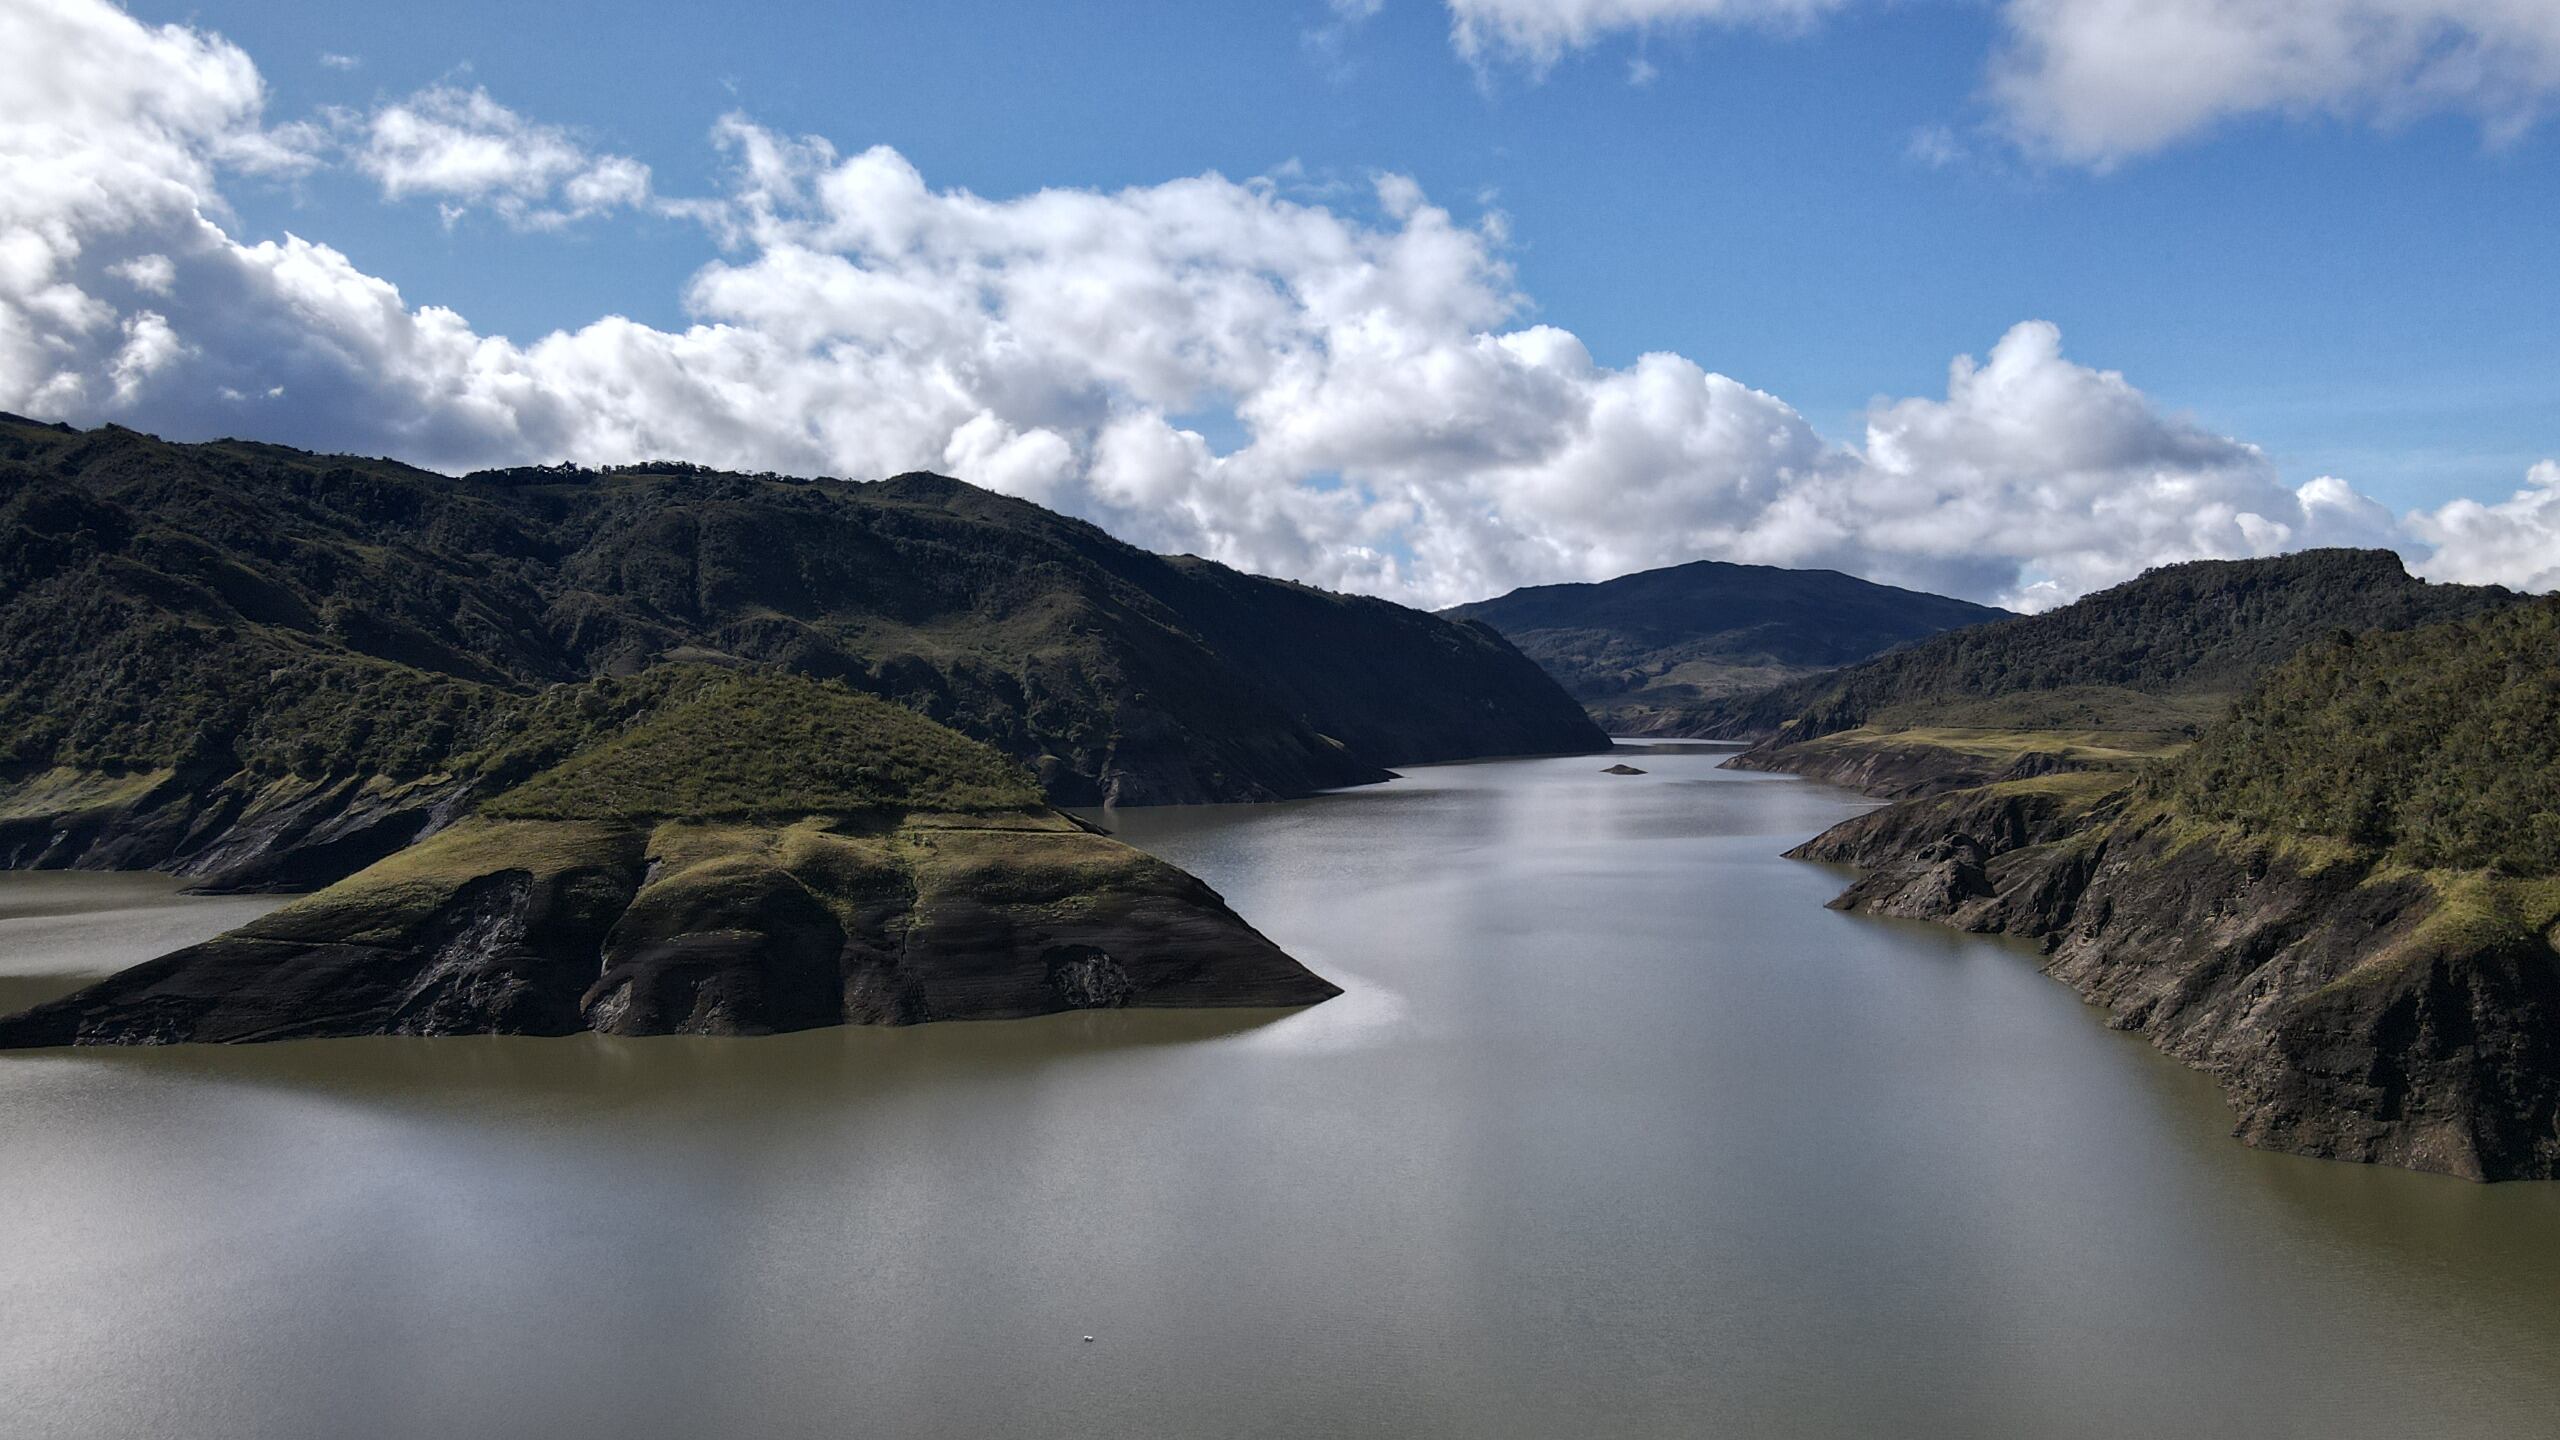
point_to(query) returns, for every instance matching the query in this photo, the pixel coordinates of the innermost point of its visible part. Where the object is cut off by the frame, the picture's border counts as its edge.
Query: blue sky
(2380, 302)
(1827, 206)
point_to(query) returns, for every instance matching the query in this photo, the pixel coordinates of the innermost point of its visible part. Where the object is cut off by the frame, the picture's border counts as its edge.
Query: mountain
(263, 667)
(2337, 891)
(2139, 667)
(1646, 652)
(710, 850)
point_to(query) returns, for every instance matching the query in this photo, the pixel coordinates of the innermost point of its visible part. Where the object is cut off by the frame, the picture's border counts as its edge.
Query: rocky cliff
(2351, 1008)
(552, 927)
(2343, 901)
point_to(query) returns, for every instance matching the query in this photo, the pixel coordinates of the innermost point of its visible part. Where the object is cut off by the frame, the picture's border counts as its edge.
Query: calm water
(1618, 1132)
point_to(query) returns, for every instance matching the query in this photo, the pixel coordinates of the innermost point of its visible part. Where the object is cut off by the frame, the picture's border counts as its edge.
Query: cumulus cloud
(463, 149)
(151, 274)
(1388, 421)
(2514, 542)
(110, 128)
(2096, 81)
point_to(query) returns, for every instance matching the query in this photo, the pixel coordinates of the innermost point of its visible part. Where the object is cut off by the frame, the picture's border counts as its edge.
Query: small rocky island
(710, 851)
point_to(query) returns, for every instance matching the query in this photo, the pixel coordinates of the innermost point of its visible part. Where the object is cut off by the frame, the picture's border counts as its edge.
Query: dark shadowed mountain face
(185, 615)
(1642, 651)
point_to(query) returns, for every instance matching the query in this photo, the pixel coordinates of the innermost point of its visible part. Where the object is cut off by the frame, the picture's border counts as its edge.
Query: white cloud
(1934, 146)
(151, 274)
(149, 347)
(332, 60)
(1388, 422)
(462, 148)
(2514, 542)
(2096, 81)
(109, 128)
(1329, 44)
(1540, 32)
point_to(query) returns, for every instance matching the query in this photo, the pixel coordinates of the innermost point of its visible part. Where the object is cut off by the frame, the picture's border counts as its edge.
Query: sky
(1426, 298)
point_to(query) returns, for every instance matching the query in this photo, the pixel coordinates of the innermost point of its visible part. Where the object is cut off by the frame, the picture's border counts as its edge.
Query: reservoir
(1616, 1131)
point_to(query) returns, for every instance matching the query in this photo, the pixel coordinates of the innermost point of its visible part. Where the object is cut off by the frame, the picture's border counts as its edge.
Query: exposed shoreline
(2349, 1009)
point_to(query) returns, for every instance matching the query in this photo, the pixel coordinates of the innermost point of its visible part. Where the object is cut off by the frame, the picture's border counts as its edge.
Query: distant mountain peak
(1643, 650)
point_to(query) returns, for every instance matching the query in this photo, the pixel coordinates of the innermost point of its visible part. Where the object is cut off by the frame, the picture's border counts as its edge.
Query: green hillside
(2160, 653)
(2439, 747)
(721, 746)
(242, 609)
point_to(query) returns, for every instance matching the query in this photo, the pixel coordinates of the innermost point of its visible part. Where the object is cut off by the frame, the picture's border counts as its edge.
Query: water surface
(1617, 1131)
(58, 930)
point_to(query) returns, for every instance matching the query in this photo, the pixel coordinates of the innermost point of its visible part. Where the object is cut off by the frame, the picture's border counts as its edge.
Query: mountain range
(661, 748)
(261, 666)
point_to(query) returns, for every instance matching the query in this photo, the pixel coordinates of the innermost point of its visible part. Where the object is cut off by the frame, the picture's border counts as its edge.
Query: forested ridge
(2439, 747)
(246, 607)
(2206, 628)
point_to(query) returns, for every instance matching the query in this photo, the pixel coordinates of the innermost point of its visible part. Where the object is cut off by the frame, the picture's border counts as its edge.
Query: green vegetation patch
(2126, 718)
(2475, 913)
(769, 746)
(65, 791)
(2087, 749)
(2437, 748)
(383, 902)
(2174, 830)
(2182, 632)
(2076, 791)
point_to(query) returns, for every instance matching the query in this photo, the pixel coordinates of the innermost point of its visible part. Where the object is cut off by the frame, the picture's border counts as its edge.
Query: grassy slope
(2432, 751)
(740, 746)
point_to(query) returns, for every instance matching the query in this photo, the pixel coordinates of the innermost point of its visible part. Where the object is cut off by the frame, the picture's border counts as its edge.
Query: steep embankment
(706, 851)
(2343, 900)
(264, 667)
(1650, 653)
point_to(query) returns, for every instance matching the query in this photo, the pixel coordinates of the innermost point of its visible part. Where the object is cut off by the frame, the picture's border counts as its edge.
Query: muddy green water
(1617, 1132)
